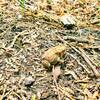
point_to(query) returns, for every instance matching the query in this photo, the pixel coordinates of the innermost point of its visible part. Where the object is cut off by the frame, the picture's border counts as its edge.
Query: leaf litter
(24, 39)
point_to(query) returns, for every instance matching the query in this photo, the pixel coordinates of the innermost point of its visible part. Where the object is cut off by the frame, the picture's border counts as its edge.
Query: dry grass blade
(78, 39)
(67, 92)
(15, 38)
(85, 80)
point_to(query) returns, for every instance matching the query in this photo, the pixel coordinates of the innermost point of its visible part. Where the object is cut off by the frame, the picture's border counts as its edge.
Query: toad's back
(53, 51)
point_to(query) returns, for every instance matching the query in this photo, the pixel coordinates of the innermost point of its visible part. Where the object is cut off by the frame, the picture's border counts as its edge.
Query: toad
(53, 55)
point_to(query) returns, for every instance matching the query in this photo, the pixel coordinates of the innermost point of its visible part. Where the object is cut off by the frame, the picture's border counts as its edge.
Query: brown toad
(53, 55)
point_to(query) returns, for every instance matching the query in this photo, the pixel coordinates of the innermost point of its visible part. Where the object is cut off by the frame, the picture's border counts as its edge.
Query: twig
(66, 92)
(78, 39)
(15, 38)
(14, 93)
(4, 92)
(62, 40)
(93, 47)
(90, 47)
(79, 63)
(82, 53)
(87, 59)
(85, 80)
(72, 73)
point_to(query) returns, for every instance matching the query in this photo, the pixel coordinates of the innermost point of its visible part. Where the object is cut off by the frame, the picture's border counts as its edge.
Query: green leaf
(98, 64)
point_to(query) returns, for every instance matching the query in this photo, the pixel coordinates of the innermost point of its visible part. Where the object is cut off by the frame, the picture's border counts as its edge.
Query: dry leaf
(56, 72)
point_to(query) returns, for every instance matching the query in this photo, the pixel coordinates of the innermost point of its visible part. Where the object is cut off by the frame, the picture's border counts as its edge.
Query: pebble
(68, 21)
(29, 81)
(19, 17)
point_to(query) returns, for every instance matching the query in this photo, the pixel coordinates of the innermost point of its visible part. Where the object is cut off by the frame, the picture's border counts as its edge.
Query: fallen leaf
(56, 72)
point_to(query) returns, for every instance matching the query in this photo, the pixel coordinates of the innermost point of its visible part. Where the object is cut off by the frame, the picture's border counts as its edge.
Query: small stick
(72, 73)
(85, 80)
(66, 93)
(15, 38)
(78, 39)
(87, 59)
(92, 47)
(79, 63)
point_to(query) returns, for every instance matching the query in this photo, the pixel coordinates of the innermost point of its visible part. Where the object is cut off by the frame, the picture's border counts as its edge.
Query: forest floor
(26, 34)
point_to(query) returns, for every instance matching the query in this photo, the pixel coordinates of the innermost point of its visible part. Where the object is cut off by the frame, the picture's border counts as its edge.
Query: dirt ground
(24, 40)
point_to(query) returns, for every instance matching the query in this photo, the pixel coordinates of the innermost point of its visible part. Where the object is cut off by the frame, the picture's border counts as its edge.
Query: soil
(22, 44)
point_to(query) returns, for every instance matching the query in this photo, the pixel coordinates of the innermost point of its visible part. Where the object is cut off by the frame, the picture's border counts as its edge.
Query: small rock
(29, 81)
(68, 21)
(19, 17)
